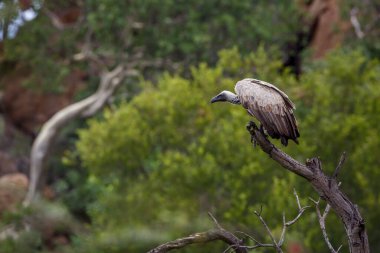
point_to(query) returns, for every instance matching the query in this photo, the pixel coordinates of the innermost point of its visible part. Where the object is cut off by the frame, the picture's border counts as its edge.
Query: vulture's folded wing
(270, 106)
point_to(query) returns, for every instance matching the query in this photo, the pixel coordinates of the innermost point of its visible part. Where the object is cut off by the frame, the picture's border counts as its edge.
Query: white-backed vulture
(271, 106)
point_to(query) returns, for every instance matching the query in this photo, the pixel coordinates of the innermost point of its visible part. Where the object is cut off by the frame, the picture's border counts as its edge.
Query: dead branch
(49, 131)
(287, 224)
(257, 243)
(219, 233)
(327, 189)
(322, 224)
(277, 245)
(355, 23)
(339, 166)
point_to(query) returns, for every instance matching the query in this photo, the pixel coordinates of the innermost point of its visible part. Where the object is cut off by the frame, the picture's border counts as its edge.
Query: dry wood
(326, 187)
(219, 233)
(322, 224)
(49, 131)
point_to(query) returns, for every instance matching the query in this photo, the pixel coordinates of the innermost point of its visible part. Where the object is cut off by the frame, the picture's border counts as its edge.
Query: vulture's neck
(232, 98)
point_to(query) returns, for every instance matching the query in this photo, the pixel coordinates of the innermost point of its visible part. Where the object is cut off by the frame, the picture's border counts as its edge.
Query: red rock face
(25, 109)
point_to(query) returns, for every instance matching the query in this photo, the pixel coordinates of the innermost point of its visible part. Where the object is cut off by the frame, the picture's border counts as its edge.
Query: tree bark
(327, 188)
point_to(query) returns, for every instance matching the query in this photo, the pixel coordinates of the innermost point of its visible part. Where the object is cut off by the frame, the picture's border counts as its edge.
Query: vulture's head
(225, 96)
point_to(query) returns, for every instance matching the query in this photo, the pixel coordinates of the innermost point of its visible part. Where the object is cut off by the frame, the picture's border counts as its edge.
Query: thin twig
(276, 246)
(339, 166)
(214, 220)
(257, 243)
(297, 199)
(322, 224)
(249, 236)
(286, 224)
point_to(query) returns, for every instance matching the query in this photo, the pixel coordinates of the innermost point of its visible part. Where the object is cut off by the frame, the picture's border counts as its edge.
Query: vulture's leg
(263, 131)
(251, 126)
(284, 141)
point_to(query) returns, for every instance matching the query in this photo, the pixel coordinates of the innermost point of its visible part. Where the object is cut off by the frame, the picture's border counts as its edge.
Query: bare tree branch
(275, 244)
(197, 238)
(355, 23)
(257, 243)
(327, 189)
(322, 224)
(49, 131)
(203, 237)
(340, 164)
(286, 224)
(215, 221)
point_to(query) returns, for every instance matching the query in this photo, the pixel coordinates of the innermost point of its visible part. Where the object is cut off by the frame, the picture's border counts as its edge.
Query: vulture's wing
(270, 106)
(285, 97)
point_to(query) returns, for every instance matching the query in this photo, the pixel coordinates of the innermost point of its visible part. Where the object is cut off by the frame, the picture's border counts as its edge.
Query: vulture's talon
(253, 141)
(250, 126)
(263, 131)
(261, 128)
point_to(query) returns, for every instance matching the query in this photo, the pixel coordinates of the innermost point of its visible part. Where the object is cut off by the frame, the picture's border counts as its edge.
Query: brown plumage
(268, 104)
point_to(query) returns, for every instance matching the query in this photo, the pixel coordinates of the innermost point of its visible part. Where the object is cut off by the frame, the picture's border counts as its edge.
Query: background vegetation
(151, 165)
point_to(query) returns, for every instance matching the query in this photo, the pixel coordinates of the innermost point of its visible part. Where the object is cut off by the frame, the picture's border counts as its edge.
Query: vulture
(268, 104)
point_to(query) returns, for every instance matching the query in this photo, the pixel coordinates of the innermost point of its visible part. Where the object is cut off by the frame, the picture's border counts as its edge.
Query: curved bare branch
(49, 131)
(219, 233)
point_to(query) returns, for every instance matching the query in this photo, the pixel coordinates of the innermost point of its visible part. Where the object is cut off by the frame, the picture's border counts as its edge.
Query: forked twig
(322, 224)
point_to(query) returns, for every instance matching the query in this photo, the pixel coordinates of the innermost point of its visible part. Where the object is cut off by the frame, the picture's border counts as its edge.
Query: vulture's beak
(216, 99)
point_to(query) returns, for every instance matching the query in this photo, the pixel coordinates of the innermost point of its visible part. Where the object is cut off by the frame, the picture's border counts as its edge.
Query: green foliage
(343, 115)
(193, 30)
(44, 52)
(36, 228)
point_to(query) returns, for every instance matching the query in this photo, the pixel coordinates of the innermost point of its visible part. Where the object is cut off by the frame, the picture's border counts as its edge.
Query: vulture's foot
(263, 131)
(253, 141)
(251, 126)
